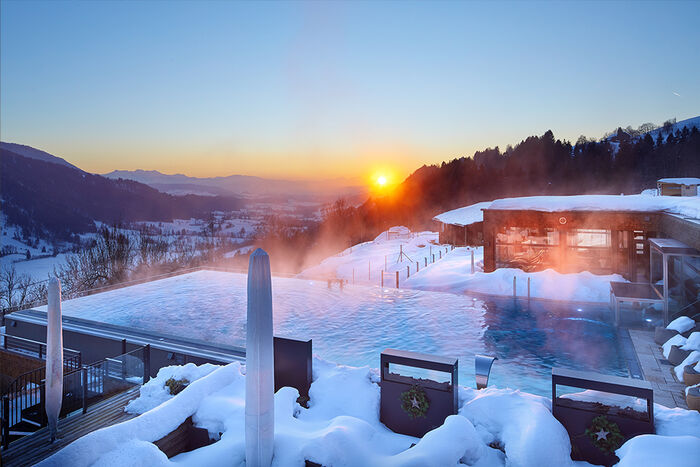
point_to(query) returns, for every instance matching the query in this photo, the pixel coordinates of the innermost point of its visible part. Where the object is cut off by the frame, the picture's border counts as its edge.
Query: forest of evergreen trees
(539, 165)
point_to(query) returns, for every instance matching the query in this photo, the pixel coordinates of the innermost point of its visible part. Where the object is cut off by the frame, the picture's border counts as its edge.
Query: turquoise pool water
(354, 325)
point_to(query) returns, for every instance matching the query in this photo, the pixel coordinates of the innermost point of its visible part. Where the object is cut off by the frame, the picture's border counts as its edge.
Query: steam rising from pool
(352, 326)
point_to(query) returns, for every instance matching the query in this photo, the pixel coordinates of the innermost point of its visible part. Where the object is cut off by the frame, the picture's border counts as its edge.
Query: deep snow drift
(341, 427)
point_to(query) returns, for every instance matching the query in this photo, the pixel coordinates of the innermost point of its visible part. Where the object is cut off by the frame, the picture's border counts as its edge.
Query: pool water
(352, 326)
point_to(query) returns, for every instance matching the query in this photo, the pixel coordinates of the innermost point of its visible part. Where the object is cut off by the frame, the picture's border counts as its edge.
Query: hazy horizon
(317, 91)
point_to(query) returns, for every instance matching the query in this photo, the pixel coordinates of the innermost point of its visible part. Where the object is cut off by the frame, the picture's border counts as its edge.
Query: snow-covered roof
(687, 206)
(681, 181)
(464, 216)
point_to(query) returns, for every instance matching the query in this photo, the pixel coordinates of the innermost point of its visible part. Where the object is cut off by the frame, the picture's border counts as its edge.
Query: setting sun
(381, 180)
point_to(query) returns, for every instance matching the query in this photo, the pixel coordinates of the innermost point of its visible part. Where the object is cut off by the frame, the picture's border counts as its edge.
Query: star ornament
(414, 402)
(602, 434)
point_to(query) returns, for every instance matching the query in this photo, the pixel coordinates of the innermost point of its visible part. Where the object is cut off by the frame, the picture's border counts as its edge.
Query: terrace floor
(37, 446)
(668, 391)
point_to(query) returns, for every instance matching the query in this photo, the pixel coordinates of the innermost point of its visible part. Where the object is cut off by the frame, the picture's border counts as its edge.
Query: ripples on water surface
(354, 325)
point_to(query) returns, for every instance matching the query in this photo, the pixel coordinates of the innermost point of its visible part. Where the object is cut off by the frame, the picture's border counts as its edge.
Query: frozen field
(354, 325)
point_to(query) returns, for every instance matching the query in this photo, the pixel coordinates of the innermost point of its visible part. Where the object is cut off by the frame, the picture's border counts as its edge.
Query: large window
(526, 248)
(589, 250)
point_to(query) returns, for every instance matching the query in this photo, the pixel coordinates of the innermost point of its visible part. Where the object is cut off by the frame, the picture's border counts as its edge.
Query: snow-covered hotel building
(603, 234)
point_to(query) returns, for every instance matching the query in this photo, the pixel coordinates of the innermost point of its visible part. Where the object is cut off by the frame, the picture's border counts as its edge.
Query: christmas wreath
(605, 434)
(415, 402)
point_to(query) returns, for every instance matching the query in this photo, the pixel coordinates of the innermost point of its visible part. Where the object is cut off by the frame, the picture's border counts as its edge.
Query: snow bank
(693, 342)
(693, 357)
(154, 392)
(341, 427)
(681, 324)
(464, 216)
(654, 451)
(119, 441)
(363, 263)
(677, 340)
(676, 421)
(520, 422)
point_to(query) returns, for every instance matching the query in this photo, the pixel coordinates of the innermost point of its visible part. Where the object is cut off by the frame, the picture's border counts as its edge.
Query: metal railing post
(528, 288)
(146, 363)
(472, 261)
(84, 372)
(382, 281)
(5, 422)
(397, 279)
(42, 403)
(513, 286)
(123, 358)
(408, 272)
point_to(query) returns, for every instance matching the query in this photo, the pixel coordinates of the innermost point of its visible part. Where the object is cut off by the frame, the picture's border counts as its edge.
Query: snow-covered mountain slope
(689, 123)
(33, 153)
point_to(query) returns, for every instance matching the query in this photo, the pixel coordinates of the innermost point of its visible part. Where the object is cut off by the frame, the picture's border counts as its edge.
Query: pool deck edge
(668, 391)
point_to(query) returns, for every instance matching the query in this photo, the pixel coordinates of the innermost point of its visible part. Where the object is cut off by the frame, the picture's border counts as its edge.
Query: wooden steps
(37, 446)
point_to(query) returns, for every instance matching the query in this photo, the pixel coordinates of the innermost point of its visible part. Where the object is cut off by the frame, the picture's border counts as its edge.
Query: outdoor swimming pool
(354, 325)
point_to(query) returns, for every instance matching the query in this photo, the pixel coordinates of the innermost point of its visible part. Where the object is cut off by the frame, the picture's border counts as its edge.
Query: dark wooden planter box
(661, 335)
(442, 397)
(293, 365)
(577, 416)
(184, 438)
(677, 355)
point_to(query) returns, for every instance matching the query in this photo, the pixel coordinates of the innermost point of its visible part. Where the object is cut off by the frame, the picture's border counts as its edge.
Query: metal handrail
(28, 345)
(91, 379)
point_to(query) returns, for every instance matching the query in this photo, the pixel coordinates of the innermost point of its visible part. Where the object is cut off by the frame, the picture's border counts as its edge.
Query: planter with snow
(677, 355)
(605, 415)
(691, 377)
(414, 406)
(661, 335)
(293, 365)
(692, 398)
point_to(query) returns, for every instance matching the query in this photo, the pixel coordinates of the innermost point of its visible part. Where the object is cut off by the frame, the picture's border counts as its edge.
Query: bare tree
(8, 284)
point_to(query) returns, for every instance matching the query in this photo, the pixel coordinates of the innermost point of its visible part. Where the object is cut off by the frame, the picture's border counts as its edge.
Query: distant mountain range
(243, 185)
(54, 200)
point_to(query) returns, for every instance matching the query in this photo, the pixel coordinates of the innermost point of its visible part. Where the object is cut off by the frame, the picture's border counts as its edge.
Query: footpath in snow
(452, 271)
(494, 427)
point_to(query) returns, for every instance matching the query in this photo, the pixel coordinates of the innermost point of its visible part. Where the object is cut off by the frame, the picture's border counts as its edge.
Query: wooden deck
(668, 391)
(36, 447)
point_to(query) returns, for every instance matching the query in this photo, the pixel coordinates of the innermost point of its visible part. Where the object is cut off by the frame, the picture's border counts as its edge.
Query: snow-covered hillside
(33, 153)
(664, 132)
(452, 271)
(366, 261)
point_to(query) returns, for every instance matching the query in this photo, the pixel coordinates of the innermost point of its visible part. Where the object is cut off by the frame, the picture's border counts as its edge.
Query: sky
(330, 89)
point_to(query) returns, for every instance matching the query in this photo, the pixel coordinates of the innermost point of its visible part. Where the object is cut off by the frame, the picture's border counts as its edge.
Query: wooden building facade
(602, 242)
(461, 235)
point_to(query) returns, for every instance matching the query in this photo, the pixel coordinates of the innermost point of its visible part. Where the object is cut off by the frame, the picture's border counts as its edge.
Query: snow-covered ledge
(495, 427)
